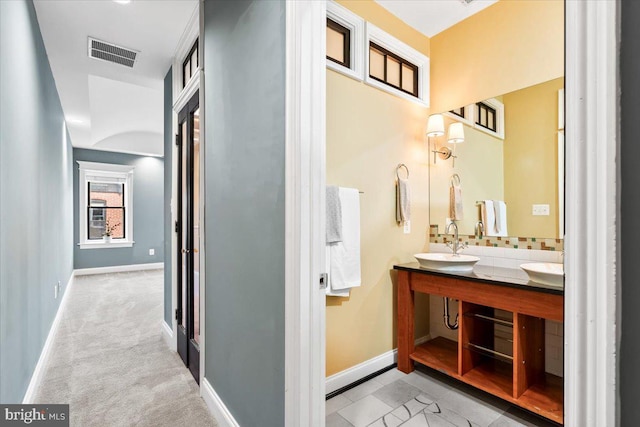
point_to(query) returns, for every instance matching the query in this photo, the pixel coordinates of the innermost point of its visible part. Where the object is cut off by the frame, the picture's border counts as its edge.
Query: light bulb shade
(435, 125)
(456, 133)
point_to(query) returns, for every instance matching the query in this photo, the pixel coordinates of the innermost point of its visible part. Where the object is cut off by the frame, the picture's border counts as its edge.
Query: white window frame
(470, 117)
(392, 44)
(355, 25)
(108, 172)
(182, 95)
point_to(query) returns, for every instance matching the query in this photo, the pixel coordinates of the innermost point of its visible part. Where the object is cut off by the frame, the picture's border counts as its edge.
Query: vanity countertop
(487, 275)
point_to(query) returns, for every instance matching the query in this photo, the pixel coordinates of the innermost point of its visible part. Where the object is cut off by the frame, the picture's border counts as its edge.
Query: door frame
(591, 283)
(180, 97)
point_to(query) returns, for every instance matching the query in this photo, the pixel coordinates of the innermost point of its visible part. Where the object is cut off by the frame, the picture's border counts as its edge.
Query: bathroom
(519, 65)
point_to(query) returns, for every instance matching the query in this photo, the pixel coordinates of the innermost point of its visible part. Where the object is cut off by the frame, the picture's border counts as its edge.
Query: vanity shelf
(500, 347)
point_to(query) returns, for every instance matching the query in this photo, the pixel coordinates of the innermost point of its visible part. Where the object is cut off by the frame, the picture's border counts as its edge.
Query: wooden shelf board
(495, 377)
(545, 398)
(440, 354)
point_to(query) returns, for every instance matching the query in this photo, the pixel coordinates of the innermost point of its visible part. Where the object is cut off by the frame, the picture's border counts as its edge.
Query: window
(338, 43)
(190, 64)
(486, 116)
(458, 112)
(105, 204)
(395, 67)
(345, 41)
(106, 210)
(389, 68)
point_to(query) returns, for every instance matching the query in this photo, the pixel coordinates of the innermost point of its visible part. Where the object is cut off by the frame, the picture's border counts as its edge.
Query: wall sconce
(456, 133)
(435, 127)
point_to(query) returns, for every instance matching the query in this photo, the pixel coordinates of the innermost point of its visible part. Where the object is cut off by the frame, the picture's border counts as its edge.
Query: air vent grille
(112, 53)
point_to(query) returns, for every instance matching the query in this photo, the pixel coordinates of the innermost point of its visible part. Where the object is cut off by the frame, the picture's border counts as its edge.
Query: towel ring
(401, 165)
(455, 180)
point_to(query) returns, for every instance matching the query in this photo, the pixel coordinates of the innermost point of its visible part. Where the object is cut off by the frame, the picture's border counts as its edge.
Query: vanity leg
(406, 344)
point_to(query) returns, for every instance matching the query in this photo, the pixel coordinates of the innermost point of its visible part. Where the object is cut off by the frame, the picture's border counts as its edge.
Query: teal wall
(244, 49)
(36, 198)
(168, 227)
(148, 211)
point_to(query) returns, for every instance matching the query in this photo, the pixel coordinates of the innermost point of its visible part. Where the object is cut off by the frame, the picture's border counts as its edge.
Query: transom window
(391, 69)
(458, 112)
(190, 64)
(486, 116)
(338, 43)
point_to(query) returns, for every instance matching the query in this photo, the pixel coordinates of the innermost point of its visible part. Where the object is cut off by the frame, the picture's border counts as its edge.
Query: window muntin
(338, 43)
(190, 64)
(390, 69)
(458, 112)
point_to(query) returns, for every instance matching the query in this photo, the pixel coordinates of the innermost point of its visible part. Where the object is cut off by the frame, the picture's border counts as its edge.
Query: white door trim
(591, 286)
(304, 218)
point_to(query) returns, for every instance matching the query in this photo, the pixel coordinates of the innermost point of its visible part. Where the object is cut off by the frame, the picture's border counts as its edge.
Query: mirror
(511, 107)
(524, 168)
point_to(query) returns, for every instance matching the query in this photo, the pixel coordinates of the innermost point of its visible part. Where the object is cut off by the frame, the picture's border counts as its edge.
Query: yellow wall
(510, 45)
(479, 165)
(531, 158)
(368, 133)
(372, 12)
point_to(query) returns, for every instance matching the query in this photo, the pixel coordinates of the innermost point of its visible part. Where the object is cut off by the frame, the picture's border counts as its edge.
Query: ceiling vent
(112, 53)
(466, 2)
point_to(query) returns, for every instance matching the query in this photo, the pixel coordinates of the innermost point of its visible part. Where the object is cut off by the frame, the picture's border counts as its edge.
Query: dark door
(188, 252)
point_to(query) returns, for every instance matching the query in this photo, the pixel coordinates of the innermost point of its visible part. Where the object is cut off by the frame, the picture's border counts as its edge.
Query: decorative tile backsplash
(534, 243)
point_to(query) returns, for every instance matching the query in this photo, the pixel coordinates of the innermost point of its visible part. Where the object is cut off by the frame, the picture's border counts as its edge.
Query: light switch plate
(152, 252)
(407, 227)
(540, 210)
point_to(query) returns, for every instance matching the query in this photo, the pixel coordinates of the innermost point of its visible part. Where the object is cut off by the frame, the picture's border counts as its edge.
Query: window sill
(104, 245)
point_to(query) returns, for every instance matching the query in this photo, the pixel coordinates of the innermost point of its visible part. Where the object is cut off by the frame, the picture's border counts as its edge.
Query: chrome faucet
(455, 246)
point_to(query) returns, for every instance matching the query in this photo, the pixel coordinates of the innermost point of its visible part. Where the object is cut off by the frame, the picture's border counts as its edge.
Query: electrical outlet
(407, 227)
(152, 252)
(542, 210)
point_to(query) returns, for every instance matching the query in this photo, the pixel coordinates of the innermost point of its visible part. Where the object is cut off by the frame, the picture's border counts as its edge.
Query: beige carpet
(110, 363)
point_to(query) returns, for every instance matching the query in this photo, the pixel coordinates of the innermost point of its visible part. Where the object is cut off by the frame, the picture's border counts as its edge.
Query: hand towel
(489, 218)
(403, 200)
(334, 215)
(455, 203)
(500, 208)
(344, 272)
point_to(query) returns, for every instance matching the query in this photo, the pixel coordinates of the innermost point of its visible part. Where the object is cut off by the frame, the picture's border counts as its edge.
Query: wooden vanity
(518, 377)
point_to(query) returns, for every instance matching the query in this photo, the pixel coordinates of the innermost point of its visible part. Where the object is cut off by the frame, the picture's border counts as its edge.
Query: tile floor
(420, 399)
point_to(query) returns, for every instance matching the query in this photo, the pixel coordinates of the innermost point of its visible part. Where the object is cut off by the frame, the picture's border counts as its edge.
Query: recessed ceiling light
(122, 1)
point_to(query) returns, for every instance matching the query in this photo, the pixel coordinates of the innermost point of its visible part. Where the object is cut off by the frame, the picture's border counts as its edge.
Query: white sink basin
(446, 262)
(546, 273)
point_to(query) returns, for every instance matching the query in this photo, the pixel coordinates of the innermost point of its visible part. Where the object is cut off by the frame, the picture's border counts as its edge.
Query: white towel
(334, 215)
(500, 209)
(344, 256)
(489, 218)
(403, 201)
(456, 211)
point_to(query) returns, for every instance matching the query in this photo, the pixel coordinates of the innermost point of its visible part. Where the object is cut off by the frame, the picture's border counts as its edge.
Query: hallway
(110, 363)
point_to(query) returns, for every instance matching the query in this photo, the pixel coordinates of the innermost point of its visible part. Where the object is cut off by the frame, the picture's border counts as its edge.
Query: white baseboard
(216, 405)
(167, 334)
(119, 268)
(36, 377)
(368, 367)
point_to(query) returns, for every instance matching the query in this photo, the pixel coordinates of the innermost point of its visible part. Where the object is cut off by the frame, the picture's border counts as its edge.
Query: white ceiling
(109, 106)
(433, 16)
